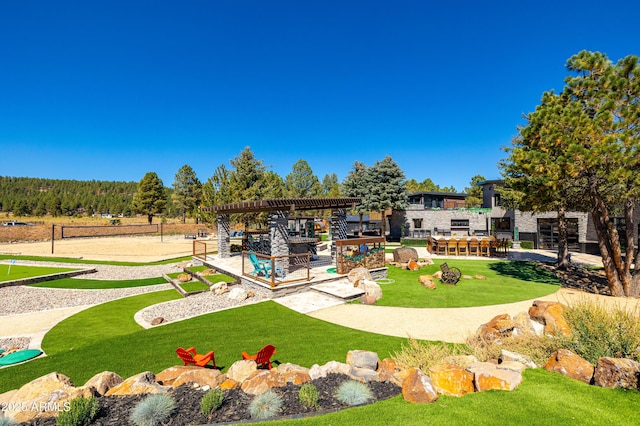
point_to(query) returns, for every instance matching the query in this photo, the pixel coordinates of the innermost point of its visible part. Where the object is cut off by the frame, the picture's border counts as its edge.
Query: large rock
(241, 370)
(104, 381)
(332, 367)
(43, 397)
(358, 274)
(142, 383)
(526, 326)
(413, 265)
(405, 254)
(571, 365)
(371, 289)
(509, 356)
(200, 377)
(184, 278)
(418, 388)
(617, 373)
(488, 376)
(237, 294)
(386, 369)
(169, 375)
(499, 326)
(451, 380)
(364, 375)
(261, 381)
(363, 359)
(551, 314)
(220, 288)
(292, 373)
(427, 281)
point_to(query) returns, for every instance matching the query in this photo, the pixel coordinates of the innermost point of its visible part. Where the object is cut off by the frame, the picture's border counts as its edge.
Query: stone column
(338, 229)
(279, 236)
(224, 240)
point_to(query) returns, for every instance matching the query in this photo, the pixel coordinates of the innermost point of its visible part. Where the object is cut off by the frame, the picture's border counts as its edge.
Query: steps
(321, 296)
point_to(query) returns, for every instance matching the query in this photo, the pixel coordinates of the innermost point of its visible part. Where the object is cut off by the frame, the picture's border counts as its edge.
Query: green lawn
(194, 286)
(83, 284)
(506, 282)
(91, 262)
(19, 272)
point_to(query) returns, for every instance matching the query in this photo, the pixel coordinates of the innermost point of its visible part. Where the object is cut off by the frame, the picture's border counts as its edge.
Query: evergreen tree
(187, 192)
(301, 182)
(331, 186)
(385, 188)
(355, 185)
(474, 192)
(151, 198)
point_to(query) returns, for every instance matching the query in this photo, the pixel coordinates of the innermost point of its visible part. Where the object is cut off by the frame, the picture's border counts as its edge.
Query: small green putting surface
(19, 356)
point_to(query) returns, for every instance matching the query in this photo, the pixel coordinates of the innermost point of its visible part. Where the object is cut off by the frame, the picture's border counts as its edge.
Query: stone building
(435, 213)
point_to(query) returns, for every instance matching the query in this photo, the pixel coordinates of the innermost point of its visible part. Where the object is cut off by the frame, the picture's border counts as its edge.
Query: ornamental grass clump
(211, 401)
(6, 422)
(81, 412)
(353, 393)
(416, 354)
(265, 406)
(601, 331)
(308, 395)
(153, 410)
(538, 348)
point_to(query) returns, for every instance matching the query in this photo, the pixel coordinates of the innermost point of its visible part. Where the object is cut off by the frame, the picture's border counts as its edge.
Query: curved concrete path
(445, 324)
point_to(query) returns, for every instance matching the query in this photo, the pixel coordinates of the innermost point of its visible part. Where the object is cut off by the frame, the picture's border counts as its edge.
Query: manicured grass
(506, 282)
(543, 399)
(92, 262)
(194, 286)
(106, 337)
(216, 278)
(19, 272)
(82, 284)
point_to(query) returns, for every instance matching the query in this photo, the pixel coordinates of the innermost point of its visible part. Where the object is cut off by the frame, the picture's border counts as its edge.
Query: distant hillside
(41, 197)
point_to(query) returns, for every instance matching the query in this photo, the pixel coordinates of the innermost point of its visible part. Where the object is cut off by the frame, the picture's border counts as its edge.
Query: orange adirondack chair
(190, 357)
(263, 357)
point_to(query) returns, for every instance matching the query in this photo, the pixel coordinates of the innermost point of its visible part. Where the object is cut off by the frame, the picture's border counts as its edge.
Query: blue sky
(110, 90)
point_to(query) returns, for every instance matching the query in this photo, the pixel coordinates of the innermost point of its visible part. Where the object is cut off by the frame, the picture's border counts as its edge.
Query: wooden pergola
(279, 210)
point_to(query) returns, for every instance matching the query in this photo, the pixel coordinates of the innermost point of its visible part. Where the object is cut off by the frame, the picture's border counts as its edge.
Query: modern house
(435, 213)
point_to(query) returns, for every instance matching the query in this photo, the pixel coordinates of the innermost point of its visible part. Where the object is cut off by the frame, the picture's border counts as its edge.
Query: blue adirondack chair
(259, 266)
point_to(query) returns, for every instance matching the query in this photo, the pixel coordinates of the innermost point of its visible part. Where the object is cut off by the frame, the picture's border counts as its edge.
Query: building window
(417, 223)
(501, 223)
(459, 223)
(497, 201)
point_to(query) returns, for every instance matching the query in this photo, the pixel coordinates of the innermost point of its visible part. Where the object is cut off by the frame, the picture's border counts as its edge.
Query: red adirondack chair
(190, 357)
(263, 357)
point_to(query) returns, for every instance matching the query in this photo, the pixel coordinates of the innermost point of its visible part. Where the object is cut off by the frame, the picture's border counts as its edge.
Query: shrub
(353, 393)
(527, 245)
(153, 410)
(211, 401)
(599, 331)
(308, 395)
(81, 412)
(424, 355)
(265, 406)
(538, 348)
(413, 242)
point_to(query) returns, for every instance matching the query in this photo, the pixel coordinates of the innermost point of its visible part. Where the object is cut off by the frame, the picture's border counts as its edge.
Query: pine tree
(187, 192)
(301, 182)
(385, 188)
(151, 198)
(355, 185)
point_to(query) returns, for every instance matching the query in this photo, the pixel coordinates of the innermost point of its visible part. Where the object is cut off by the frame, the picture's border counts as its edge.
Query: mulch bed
(115, 410)
(581, 278)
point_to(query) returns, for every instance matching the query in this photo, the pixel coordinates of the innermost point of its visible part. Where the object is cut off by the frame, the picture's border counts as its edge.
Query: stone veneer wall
(224, 236)
(279, 236)
(441, 219)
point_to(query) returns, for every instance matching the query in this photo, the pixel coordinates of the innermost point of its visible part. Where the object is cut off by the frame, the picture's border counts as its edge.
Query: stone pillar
(279, 236)
(224, 240)
(338, 229)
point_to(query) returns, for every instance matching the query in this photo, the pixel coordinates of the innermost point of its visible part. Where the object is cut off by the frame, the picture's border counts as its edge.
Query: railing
(276, 270)
(359, 252)
(201, 249)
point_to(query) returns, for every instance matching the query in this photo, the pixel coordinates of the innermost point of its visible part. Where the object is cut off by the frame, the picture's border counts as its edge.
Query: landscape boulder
(358, 274)
(551, 315)
(488, 376)
(237, 294)
(617, 373)
(427, 281)
(104, 381)
(363, 359)
(261, 381)
(184, 278)
(451, 380)
(413, 265)
(292, 373)
(571, 365)
(405, 254)
(418, 388)
(201, 377)
(510, 356)
(220, 288)
(240, 370)
(158, 321)
(371, 288)
(386, 369)
(332, 367)
(142, 383)
(499, 326)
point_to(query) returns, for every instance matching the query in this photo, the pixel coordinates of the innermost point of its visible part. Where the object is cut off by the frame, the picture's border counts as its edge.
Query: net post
(53, 236)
